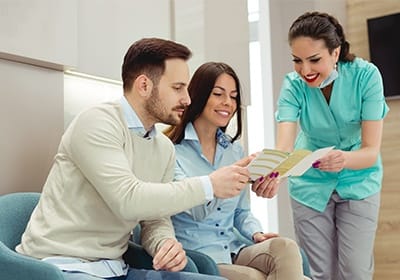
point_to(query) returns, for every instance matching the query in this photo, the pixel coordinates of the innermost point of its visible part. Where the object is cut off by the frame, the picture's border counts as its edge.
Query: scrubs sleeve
(374, 106)
(289, 102)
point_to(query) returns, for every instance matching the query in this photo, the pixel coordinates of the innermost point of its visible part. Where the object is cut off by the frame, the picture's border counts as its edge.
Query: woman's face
(312, 60)
(221, 104)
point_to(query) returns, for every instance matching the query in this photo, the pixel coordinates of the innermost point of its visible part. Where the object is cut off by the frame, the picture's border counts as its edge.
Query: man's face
(170, 97)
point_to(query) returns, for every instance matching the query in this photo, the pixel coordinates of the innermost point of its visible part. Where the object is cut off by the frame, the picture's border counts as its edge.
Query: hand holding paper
(287, 164)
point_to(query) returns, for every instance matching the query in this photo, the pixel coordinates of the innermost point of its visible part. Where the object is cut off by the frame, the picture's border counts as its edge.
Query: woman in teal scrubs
(337, 99)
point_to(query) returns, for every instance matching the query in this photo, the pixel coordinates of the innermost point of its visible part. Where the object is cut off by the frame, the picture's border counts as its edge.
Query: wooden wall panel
(358, 11)
(387, 244)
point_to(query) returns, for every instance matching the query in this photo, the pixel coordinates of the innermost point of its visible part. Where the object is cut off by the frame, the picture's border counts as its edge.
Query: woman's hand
(267, 186)
(334, 161)
(260, 236)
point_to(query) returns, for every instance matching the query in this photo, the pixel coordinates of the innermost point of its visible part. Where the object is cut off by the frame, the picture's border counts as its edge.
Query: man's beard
(157, 110)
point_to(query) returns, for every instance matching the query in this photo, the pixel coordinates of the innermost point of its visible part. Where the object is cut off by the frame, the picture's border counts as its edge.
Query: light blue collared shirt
(101, 268)
(208, 228)
(133, 121)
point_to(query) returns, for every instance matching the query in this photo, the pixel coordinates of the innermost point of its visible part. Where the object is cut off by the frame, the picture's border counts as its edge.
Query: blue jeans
(139, 274)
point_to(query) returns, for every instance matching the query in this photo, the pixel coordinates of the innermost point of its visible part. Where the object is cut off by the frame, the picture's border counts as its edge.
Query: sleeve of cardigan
(154, 232)
(96, 147)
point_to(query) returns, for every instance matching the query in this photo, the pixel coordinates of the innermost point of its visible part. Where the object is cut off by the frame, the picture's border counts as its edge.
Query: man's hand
(170, 257)
(229, 181)
(244, 162)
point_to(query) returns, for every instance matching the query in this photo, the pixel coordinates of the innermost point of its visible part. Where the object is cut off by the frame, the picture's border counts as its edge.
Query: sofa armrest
(137, 257)
(205, 264)
(14, 266)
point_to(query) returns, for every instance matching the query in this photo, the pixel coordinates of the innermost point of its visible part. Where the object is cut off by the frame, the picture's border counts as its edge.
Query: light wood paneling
(358, 11)
(387, 243)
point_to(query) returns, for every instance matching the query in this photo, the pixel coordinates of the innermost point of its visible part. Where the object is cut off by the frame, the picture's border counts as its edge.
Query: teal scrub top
(357, 95)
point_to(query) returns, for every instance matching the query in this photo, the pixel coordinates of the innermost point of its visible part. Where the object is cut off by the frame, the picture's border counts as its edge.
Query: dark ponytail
(321, 26)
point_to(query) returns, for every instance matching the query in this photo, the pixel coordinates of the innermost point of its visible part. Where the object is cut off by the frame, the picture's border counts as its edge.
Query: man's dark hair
(147, 56)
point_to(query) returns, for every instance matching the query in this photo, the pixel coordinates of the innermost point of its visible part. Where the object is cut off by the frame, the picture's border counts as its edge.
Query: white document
(287, 164)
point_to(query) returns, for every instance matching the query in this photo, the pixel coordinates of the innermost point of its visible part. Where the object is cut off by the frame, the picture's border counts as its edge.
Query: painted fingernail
(272, 175)
(276, 174)
(261, 179)
(316, 164)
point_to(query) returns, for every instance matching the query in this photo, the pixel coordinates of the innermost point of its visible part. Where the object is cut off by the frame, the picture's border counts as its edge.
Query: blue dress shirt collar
(222, 139)
(133, 121)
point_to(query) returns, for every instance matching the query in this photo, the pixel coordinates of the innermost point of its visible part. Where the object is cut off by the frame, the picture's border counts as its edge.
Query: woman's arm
(366, 156)
(286, 135)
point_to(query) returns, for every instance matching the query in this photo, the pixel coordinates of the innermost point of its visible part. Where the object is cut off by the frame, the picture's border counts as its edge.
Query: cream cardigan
(104, 180)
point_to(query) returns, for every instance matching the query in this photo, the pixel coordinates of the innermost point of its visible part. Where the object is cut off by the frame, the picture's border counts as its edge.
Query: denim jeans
(142, 274)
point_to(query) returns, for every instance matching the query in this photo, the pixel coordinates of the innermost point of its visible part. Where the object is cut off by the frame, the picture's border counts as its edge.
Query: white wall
(31, 124)
(107, 28)
(215, 31)
(38, 41)
(40, 32)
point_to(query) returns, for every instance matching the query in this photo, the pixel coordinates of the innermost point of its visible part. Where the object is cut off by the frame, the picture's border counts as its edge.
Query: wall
(106, 29)
(387, 243)
(358, 11)
(39, 40)
(213, 28)
(31, 121)
(39, 32)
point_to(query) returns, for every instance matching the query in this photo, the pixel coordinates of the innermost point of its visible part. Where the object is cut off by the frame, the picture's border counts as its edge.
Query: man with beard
(113, 169)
